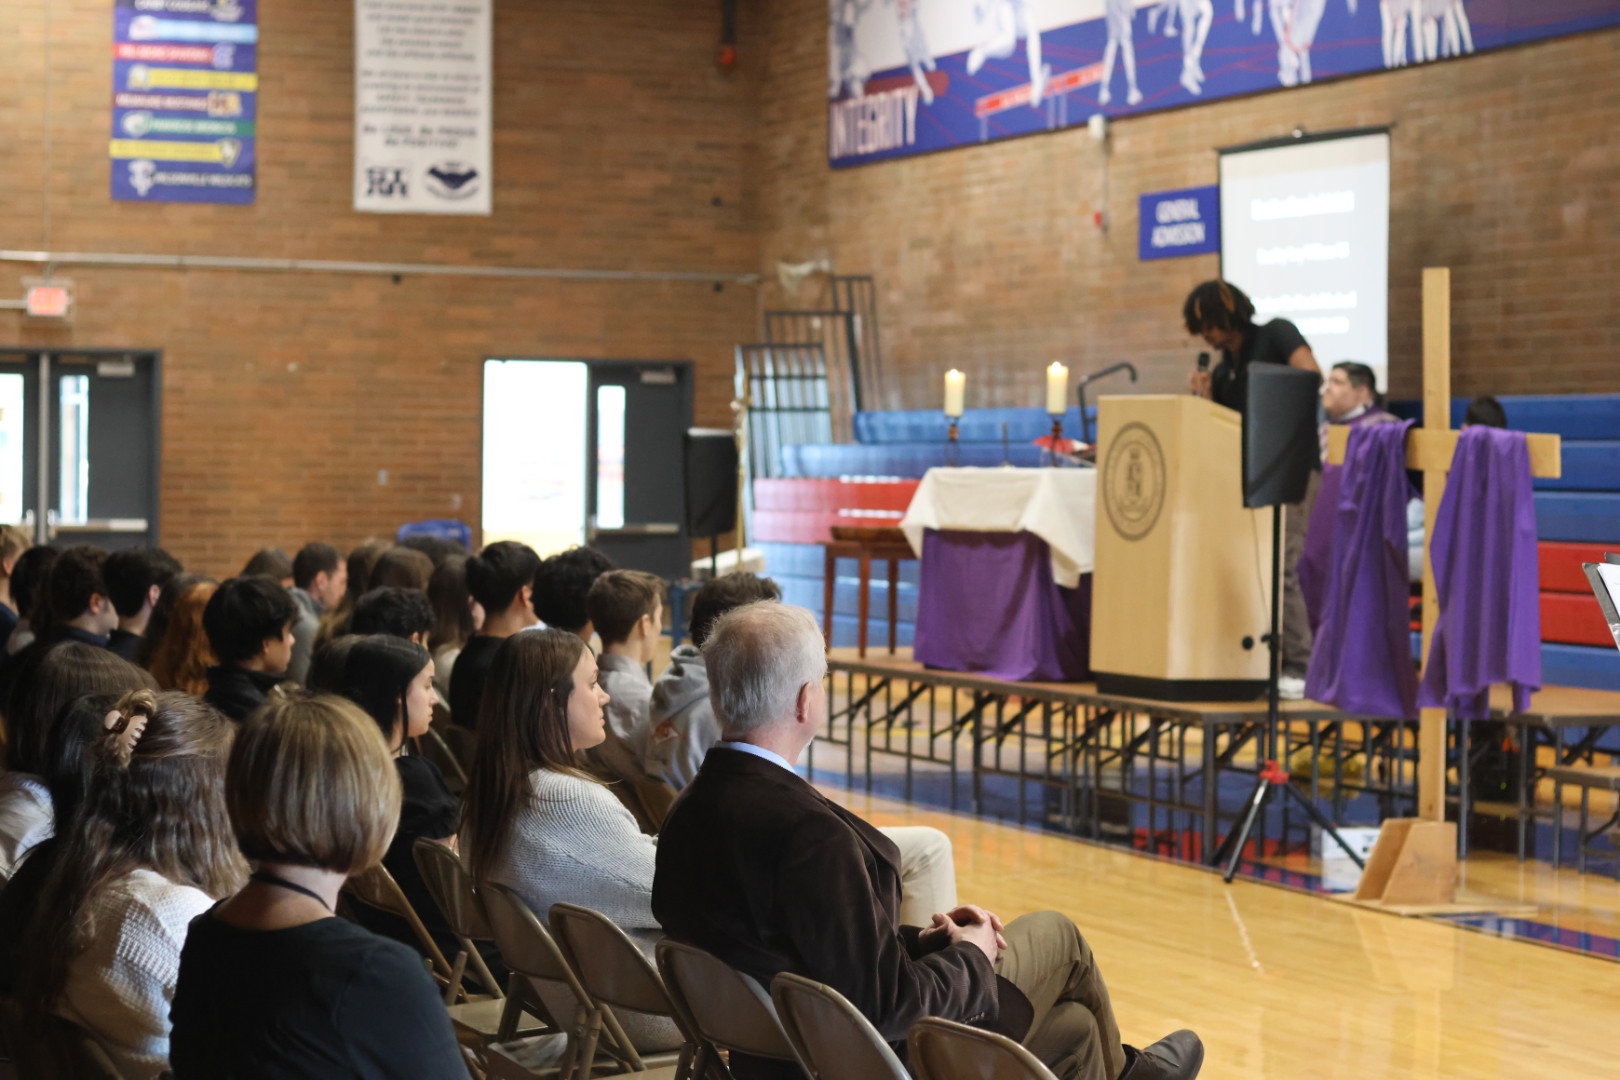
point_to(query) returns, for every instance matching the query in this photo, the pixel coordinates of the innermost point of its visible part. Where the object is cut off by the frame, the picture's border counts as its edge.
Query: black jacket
(237, 691)
(760, 869)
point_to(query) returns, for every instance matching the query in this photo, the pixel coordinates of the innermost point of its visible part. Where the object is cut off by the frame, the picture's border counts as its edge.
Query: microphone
(1203, 365)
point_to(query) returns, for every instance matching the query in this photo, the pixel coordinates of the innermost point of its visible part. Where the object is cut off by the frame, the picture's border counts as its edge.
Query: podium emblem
(1133, 481)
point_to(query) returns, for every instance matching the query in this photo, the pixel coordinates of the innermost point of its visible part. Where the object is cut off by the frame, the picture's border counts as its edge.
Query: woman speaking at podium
(1224, 317)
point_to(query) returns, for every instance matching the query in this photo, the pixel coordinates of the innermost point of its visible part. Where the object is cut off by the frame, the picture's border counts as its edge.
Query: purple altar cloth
(1362, 659)
(987, 604)
(1487, 578)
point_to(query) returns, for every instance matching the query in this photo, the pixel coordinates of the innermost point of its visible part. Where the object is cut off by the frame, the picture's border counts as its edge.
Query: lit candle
(955, 392)
(1057, 389)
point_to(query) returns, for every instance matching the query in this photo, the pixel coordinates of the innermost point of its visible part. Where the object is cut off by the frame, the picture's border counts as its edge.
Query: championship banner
(423, 118)
(185, 98)
(912, 76)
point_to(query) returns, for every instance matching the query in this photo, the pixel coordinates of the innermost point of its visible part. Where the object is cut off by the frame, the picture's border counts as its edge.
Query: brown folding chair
(452, 889)
(946, 1050)
(530, 951)
(830, 1036)
(618, 974)
(432, 745)
(376, 888)
(722, 1008)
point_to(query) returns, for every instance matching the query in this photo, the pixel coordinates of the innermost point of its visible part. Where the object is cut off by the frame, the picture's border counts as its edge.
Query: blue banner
(913, 76)
(1185, 222)
(185, 101)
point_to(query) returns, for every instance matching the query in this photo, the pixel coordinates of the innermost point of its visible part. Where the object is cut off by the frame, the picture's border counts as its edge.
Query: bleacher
(871, 481)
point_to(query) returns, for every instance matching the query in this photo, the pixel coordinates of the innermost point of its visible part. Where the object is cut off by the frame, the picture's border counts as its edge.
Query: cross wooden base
(1414, 863)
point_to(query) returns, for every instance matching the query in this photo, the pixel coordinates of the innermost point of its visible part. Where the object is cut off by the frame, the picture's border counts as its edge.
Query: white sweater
(26, 819)
(120, 988)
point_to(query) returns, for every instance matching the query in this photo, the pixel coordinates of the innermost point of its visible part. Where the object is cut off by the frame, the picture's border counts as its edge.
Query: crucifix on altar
(1414, 864)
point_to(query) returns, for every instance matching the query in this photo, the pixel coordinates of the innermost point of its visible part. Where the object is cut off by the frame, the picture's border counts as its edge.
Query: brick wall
(1504, 166)
(619, 146)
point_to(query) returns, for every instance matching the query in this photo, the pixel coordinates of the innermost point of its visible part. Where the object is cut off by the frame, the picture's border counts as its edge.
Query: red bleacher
(1568, 614)
(804, 511)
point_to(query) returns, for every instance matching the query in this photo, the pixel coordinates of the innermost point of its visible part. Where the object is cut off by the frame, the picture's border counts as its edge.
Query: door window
(13, 449)
(73, 475)
(534, 452)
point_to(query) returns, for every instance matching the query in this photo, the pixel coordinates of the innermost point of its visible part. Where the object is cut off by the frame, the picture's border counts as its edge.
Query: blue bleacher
(909, 443)
(797, 568)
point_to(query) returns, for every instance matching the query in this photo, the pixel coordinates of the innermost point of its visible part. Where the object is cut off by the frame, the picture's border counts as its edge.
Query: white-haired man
(760, 869)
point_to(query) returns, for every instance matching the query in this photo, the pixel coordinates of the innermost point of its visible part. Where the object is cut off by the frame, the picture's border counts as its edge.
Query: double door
(78, 445)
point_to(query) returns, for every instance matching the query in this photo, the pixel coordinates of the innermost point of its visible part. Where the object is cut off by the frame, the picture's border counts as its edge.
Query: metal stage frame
(1086, 753)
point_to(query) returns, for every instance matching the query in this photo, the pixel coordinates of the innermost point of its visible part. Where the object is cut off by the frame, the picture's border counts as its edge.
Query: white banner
(422, 113)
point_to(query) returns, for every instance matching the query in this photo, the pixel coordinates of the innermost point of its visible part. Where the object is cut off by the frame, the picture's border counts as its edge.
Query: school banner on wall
(422, 112)
(185, 100)
(911, 76)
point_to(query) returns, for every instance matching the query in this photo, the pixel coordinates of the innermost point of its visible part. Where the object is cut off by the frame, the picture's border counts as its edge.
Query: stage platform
(1166, 775)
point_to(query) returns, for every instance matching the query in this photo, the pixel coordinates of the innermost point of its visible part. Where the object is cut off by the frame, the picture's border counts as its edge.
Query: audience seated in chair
(389, 609)
(80, 604)
(760, 869)
(30, 591)
(14, 542)
(684, 730)
(627, 609)
(175, 647)
(561, 584)
(46, 684)
(400, 567)
(249, 623)
(320, 580)
(536, 823)
(501, 579)
(149, 850)
(357, 568)
(135, 579)
(271, 563)
(392, 680)
(271, 985)
(456, 618)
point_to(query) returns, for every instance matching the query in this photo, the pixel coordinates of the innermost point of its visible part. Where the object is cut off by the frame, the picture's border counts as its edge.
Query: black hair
(29, 578)
(377, 676)
(437, 548)
(327, 667)
(77, 575)
(400, 568)
(244, 613)
(400, 612)
(495, 574)
(1361, 377)
(561, 584)
(131, 573)
(1484, 411)
(719, 595)
(1217, 305)
(452, 604)
(68, 764)
(269, 562)
(314, 558)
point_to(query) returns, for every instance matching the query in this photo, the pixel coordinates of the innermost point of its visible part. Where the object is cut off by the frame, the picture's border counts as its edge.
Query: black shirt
(326, 999)
(467, 678)
(427, 810)
(8, 623)
(124, 644)
(237, 691)
(1272, 343)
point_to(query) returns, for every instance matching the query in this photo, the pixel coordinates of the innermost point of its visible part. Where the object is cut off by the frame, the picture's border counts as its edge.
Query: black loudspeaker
(711, 481)
(1280, 447)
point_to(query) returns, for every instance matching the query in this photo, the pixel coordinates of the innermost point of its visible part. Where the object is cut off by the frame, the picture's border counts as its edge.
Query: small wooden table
(865, 543)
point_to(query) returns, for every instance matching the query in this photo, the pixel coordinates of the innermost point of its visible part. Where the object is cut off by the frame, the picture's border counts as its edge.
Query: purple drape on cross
(1362, 659)
(986, 603)
(1316, 562)
(1487, 578)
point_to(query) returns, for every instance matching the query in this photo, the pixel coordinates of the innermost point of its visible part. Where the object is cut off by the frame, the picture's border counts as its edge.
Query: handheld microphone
(1203, 365)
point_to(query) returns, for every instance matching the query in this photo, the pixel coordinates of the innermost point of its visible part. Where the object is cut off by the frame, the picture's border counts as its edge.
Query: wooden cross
(1414, 864)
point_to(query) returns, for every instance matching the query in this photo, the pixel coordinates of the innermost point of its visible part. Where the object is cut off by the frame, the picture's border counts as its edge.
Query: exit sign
(50, 299)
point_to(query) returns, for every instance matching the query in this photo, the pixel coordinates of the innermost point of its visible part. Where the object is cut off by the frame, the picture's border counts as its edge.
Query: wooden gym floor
(1284, 984)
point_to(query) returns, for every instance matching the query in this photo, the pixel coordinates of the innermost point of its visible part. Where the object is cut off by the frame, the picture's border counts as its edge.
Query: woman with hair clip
(272, 986)
(149, 851)
(537, 823)
(392, 680)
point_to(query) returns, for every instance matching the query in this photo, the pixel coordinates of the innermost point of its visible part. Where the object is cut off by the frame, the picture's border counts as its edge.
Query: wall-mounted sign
(185, 98)
(912, 76)
(1185, 222)
(422, 112)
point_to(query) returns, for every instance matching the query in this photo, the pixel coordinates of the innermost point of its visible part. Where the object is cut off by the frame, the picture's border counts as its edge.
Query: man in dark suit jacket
(758, 868)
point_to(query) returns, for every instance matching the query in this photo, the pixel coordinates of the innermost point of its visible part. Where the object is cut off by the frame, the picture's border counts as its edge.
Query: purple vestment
(1362, 659)
(1486, 578)
(987, 603)
(1316, 562)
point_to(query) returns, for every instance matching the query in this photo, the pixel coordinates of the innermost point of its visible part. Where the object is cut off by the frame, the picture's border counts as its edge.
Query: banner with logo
(422, 111)
(911, 76)
(185, 99)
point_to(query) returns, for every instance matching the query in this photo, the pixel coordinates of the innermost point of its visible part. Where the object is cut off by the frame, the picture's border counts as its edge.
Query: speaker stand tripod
(1273, 775)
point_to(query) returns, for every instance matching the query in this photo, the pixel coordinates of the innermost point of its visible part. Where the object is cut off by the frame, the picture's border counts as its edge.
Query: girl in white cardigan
(149, 850)
(535, 822)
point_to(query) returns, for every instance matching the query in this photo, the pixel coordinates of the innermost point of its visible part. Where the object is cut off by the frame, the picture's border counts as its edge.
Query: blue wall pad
(905, 460)
(1574, 416)
(1588, 516)
(1580, 665)
(1588, 466)
(977, 425)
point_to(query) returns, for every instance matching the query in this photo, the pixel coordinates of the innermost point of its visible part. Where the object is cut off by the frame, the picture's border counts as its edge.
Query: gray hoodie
(683, 724)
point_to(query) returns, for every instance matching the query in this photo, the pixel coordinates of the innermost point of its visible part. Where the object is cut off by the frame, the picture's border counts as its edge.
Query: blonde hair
(311, 783)
(13, 542)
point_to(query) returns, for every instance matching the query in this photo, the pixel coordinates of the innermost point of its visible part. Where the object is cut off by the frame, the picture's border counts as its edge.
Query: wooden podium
(1181, 591)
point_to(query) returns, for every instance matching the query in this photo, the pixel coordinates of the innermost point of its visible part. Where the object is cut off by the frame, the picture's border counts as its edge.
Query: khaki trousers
(1296, 621)
(927, 872)
(1074, 1032)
